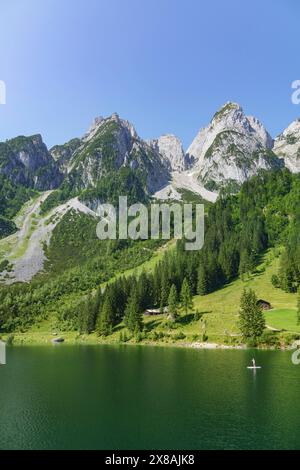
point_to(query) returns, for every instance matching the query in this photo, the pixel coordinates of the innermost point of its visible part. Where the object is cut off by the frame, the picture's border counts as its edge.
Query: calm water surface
(107, 397)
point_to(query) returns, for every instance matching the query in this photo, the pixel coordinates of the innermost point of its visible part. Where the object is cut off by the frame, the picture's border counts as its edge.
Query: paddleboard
(254, 367)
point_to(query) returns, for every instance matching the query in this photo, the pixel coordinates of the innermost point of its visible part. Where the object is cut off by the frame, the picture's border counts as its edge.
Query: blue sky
(166, 65)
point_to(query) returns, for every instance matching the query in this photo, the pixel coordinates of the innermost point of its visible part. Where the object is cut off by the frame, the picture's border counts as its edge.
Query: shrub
(171, 325)
(156, 335)
(123, 337)
(269, 338)
(290, 338)
(179, 336)
(252, 343)
(138, 337)
(195, 337)
(275, 281)
(197, 316)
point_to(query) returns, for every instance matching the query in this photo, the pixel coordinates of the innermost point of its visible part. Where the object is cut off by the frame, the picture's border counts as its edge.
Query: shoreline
(20, 339)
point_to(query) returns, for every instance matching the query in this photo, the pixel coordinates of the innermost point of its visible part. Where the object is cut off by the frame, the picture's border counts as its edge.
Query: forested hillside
(239, 229)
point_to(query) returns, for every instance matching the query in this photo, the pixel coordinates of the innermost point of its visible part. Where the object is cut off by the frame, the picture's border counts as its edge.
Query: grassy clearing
(283, 318)
(222, 306)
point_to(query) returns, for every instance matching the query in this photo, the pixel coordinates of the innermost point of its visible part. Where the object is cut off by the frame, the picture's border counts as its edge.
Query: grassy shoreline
(218, 317)
(194, 346)
(72, 338)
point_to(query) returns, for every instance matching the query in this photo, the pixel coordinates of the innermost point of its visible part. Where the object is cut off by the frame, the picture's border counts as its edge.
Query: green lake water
(132, 397)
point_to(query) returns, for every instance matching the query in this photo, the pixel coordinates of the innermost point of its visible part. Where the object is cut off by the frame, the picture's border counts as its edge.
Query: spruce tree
(133, 314)
(173, 302)
(105, 323)
(252, 320)
(186, 296)
(88, 316)
(96, 308)
(202, 285)
(245, 265)
(164, 288)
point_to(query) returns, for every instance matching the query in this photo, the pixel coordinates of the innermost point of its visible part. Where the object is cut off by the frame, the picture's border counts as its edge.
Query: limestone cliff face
(62, 154)
(287, 146)
(112, 144)
(232, 148)
(171, 151)
(27, 161)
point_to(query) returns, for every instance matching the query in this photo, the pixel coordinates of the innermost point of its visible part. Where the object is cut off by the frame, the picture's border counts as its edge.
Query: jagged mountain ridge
(230, 149)
(112, 144)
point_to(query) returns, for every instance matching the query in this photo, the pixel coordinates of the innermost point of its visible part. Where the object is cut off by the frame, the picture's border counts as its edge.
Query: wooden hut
(264, 304)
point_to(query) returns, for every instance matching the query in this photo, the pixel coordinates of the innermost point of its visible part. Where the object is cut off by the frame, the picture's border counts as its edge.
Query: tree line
(169, 287)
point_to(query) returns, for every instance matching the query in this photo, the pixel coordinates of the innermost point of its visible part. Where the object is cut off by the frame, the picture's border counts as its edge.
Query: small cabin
(264, 304)
(152, 311)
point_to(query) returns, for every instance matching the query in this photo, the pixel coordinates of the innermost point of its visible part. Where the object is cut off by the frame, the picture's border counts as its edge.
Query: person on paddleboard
(253, 362)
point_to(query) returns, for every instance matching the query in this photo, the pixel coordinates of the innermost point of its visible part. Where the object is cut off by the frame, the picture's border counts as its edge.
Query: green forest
(239, 229)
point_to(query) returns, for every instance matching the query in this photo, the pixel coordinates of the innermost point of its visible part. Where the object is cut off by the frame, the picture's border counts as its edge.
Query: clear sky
(166, 65)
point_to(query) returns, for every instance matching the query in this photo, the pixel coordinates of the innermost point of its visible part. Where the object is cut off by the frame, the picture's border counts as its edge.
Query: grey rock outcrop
(287, 146)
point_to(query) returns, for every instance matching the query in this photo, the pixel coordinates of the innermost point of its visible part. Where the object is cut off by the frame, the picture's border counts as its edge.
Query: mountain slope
(231, 149)
(110, 145)
(26, 161)
(287, 146)
(25, 249)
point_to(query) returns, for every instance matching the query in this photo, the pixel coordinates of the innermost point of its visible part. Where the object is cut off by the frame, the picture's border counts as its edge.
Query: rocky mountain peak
(170, 148)
(231, 148)
(100, 121)
(93, 129)
(110, 145)
(227, 108)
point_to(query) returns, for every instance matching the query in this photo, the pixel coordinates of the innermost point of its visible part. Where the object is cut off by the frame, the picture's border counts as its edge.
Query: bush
(156, 335)
(179, 336)
(139, 337)
(197, 316)
(290, 338)
(252, 343)
(275, 281)
(171, 325)
(3, 265)
(123, 337)
(269, 338)
(195, 338)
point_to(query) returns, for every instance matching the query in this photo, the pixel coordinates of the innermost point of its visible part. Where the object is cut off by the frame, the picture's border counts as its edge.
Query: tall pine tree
(252, 320)
(186, 296)
(133, 314)
(173, 302)
(106, 318)
(202, 285)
